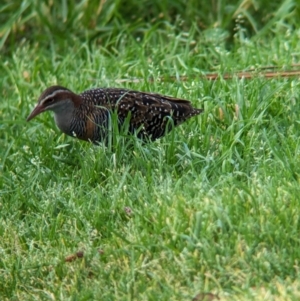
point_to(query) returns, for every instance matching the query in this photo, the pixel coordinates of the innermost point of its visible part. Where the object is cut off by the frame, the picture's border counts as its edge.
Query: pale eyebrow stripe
(52, 95)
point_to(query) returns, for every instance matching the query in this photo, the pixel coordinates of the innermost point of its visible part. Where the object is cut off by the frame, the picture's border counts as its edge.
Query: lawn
(209, 211)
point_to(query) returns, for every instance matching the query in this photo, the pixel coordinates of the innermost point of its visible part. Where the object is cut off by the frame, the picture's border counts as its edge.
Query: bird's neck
(64, 114)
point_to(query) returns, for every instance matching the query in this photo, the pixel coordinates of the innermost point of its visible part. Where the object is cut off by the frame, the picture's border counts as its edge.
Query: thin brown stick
(214, 76)
(247, 75)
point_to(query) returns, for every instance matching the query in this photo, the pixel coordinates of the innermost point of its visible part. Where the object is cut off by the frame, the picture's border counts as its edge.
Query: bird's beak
(36, 111)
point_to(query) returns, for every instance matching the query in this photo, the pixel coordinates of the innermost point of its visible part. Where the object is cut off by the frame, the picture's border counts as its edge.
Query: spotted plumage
(87, 115)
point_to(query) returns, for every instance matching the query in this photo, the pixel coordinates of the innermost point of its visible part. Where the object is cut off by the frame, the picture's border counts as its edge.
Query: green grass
(211, 207)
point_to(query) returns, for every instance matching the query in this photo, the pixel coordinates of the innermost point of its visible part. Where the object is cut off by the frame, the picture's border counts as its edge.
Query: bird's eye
(50, 100)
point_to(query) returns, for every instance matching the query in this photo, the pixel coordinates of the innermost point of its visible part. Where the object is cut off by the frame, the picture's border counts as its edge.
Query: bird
(88, 115)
